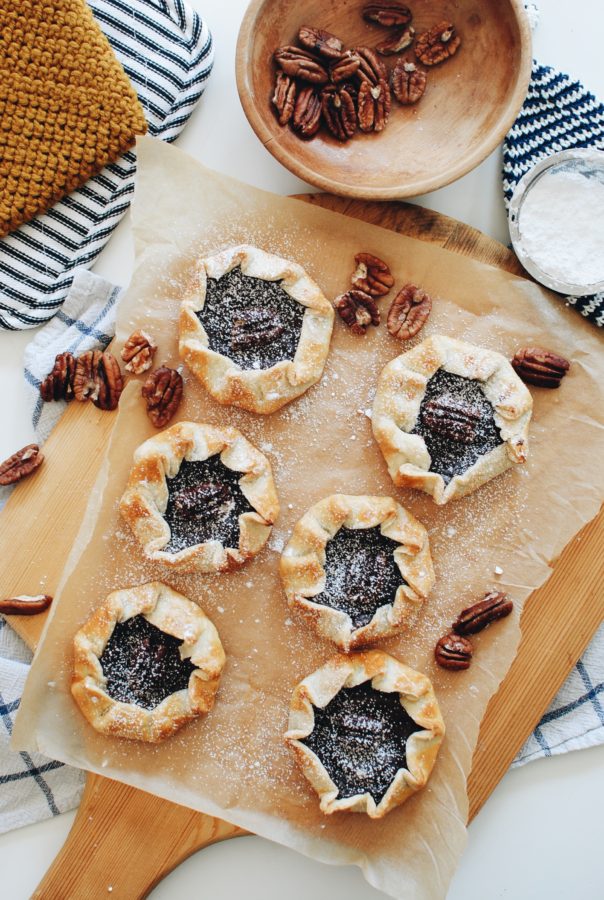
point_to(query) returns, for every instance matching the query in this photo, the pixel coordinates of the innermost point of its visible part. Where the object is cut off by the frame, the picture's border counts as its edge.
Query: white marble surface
(539, 835)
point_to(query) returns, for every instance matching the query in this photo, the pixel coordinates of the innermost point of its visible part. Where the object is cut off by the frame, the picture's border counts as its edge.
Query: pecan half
(540, 367)
(358, 310)
(339, 111)
(323, 42)
(453, 652)
(255, 327)
(452, 418)
(345, 67)
(138, 352)
(408, 82)
(24, 605)
(307, 113)
(20, 464)
(494, 605)
(437, 44)
(207, 496)
(300, 64)
(58, 384)
(371, 68)
(373, 106)
(387, 13)
(409, 312)
(371, 275)
(98, 378)
(284, 97)
(397, 42)
(163, 392)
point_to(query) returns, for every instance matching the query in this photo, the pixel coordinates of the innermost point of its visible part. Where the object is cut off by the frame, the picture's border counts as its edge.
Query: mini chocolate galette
(200, 498)
(449, 416)
(366, 730)
(146, 662)
(254, 328)
(358, 568)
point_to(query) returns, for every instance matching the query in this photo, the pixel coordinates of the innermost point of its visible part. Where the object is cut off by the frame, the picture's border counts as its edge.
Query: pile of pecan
(371, 280)
(322, 81)
(454, 651)
(95, 375)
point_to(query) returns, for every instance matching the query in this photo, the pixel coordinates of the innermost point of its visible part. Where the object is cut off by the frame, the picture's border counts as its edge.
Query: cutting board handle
(124, 841)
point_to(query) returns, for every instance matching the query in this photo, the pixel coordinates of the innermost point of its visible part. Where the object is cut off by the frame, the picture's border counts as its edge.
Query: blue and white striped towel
(34, 788)
(166, 50)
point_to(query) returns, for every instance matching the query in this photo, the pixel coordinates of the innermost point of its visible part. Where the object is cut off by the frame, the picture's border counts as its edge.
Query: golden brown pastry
(200, 498)
(366, 730)
(358, 568)
(254, 329)
(449, 416)
(146, 662)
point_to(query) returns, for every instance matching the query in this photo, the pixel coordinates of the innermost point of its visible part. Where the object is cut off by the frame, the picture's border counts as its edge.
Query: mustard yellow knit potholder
(66, 106)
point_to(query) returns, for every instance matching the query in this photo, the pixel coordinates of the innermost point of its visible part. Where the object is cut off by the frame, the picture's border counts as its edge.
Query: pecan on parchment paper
(307, 112)
(24, 604)
(322, 42)
(494, 605)
(409, 312)
(345, 67)
(397, 42)
(452, 418)
(20, 464)
(408, 82)
(58, 384)
(387, 13)
(339, 111)
(284, 97)
(300, 64)
(373, 106)
(453, 652)
(358, 310)
(163, 392)
(371, 275)
(138, 352)
(540, 367)
(371, 68)
(98, 378)
(437, 44)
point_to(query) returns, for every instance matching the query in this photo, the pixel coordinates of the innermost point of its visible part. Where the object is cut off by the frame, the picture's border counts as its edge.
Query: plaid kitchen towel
(166, 50)
(558, 114)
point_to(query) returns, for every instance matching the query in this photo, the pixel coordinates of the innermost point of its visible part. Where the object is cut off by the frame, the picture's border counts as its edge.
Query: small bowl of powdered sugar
(557, 222)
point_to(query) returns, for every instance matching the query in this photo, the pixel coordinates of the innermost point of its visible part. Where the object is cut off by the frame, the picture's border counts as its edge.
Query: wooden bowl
(471, 100)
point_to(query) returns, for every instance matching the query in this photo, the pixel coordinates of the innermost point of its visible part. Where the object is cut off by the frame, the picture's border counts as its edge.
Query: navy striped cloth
(166, 49)
(558, 114)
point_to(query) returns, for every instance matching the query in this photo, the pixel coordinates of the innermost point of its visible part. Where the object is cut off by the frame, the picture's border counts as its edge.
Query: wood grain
(106, 847)
(470, 101)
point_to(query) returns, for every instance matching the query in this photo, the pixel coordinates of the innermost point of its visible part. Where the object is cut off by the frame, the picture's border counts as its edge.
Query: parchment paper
(233, 764)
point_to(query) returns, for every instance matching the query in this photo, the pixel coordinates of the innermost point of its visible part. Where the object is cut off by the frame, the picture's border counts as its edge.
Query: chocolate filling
(253, 322)
(361, 739)
(454, 452)
(204, 504)
(142, 664)
(360, 573)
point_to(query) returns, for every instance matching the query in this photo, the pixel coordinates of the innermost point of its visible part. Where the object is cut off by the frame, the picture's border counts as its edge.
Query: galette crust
(303, 574)
(401, 388)
(146, 496)
(177, 616)
(257, 390)
(386, 674)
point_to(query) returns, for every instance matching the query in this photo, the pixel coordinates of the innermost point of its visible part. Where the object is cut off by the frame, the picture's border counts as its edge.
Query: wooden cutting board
(110, 834)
